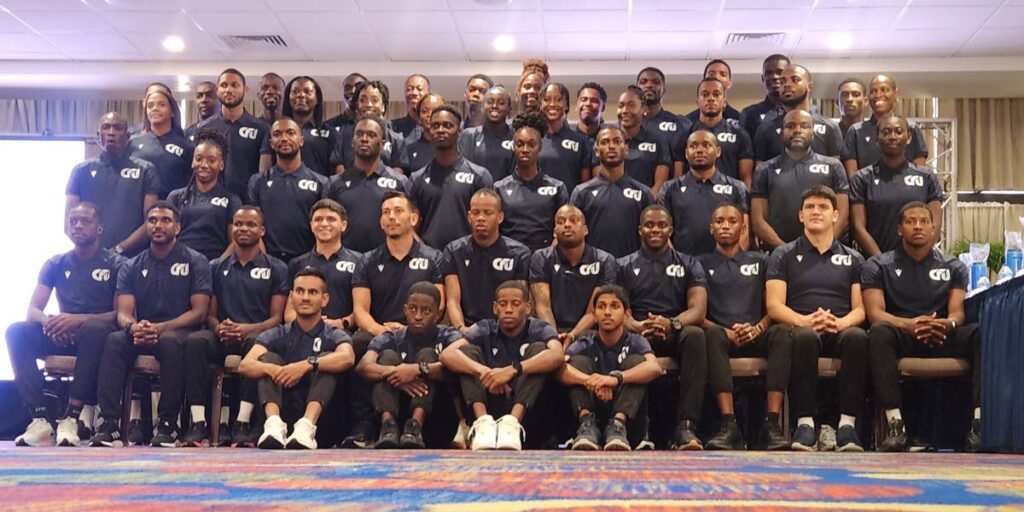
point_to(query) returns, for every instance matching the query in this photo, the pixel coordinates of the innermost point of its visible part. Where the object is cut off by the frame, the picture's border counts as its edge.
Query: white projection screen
(31, 219)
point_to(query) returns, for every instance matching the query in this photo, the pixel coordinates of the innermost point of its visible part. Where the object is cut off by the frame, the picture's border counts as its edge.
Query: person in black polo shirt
(271, 88)
(297, 366)
(914, 297)
(120, 184)
(778, 183)
(84, 279)
(379, 286)
(691, 197)
(206, 206)
(649, 159)
(162, 295)
(371, 98)
(249, 292)
(669, 297)
(796, 95)
(670, 127)
(476, 87)
(489, 145)
(442, 189)
(813, 286)
(862, 147)
(405, 368)
(529, 197)
(305, 104)
(850, 98)
(564, 277)
(720, 70)
(476, 264)
(879, 191)
(347, 115)
(163, 143)
(417, 87)
(771, 76)
(503, 364)
(248, 136)
(566, 154)
(612, 201)
(206, 106)
(737, 326)
(287, 204)
(613, 366)
(419, 145)
(591, 99)
(361, 187)
(737, 158)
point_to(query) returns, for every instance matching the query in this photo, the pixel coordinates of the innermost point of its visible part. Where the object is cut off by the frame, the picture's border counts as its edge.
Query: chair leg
(215, 403)
(126, 403)
(785, 414)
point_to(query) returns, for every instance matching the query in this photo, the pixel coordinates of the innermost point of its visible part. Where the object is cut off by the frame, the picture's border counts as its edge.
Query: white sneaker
(38, 433)
(484, 433)
(67, 432)
(303, 436)
(510, 434)
(461, 440)
(274, 432)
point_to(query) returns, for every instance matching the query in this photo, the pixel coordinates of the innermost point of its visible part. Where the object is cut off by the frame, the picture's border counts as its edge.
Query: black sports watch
(518, 367)
(424, 369)
(314, 361)
(617, 374)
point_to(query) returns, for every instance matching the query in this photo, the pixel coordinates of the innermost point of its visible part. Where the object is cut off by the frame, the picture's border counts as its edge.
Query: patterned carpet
(181, 480)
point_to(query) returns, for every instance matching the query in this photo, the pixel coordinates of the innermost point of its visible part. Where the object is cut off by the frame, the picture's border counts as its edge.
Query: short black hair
(251, 208)
(450, 109)
(419, 108)
(651, 68)
(391, 194)
(656, 208)
(385, 94)
(308, 271)
(595, 86)
(424, 77)
(706, 80)
(912, 205)
(424, 288)
(613, 289)
(892, 115)
(635, 90)
(89, 206)
(775, 57)
(232, 71)
(166, 206)
(562, 90)
(718, 61)
(380, 123)
(216, 137)
(822, 192)
(489, 192)
(328, 204)
(851, 81)
(726, 204)
(530, 119)
(515, 285)
(481, 76)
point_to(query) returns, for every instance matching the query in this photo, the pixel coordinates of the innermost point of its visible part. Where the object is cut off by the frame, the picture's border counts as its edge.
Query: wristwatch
(314, 361)
(118, 249)
(677, 325)
(617, 374)
(518, 367)
(424, 369)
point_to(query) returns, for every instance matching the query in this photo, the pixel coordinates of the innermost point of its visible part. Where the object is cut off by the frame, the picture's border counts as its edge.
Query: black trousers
(389, 399)
(118, 356)
(850, 345)
(626, 400)
(777, 349)
(203, 348)
(688, 348)
(293, 401)
(887, 344)
(525, 388)
(26, 343)
(360, 390)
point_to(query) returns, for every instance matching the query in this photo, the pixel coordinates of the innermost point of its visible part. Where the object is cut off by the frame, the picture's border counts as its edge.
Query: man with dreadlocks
(305, 104)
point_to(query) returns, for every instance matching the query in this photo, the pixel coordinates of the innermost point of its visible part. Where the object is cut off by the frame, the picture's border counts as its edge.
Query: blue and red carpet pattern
(192, 479)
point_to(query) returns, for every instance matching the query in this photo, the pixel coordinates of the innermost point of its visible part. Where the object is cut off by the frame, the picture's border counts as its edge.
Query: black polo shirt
(828, 138)
(728, 113)
(913, 288)
(118, 186)
(248, 139)
(571, 287)
(294, 345)
(83, 287)
(317, 145)
(813, 279)
(361, 194)
(607, 359)
(419, 149)
(490, 151)
(782, 180)
(339, 269)
(442, 195)
(883, 191)
(407, 344)
(392, 153)
(564, 154)
(734, 142)
(163, 289)
(499, 349)
(205, 218)
(389, 279)
(691, 201)
(658, 285)
(286, 198)
(404, 125)
(752, 116)
(735, 287)
(672, 128)
(861, 143)
(530, 207)
(244, 291)
(170, 153)
(612, 209)
(481, 269)
(592, 139)
(647, 151)
(337, 122)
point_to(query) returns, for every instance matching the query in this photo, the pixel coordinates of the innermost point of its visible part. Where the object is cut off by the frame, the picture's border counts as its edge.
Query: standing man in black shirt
(271, 88)
(862, 145)
(476, 87)
(671, 127)
(206, 106)
(305, 104)
(163, 143)
(796, 95)
(591, 99)
(737, 158)
(489, 145)
(417, 86)
(347, 115)
(850, 98)
(771, 75)
(371, 98)
(649, 157)
(419, 145)
(720, 70)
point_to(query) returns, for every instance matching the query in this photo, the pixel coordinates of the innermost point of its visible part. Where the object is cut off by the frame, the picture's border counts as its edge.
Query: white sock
(274, 419)
(198, 413)
(87, 414)
(845, 420)
(977, 413)
(244, 411)
(154, 404)
(806, 420)
(136, 410)
(893, 414)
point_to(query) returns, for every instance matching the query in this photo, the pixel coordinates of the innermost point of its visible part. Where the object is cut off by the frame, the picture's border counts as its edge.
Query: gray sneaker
(826, 438)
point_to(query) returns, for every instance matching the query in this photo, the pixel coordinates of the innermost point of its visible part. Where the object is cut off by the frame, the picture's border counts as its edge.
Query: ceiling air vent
(254, 42)
(760, 38)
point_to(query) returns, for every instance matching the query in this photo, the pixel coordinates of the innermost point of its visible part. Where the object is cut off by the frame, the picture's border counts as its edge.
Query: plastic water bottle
(1005, 274)
(983, 284)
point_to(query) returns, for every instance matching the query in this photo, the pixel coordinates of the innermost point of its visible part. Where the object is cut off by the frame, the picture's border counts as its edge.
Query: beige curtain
(62, 117)
(907, 107)
(990, 151)
(986, 222)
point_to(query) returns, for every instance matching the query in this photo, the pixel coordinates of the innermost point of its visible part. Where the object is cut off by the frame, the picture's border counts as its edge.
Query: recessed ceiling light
(840, 40)
(174, 44)
(504, 43)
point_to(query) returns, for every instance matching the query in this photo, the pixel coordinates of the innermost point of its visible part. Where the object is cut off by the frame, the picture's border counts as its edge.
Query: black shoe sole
(406, 444)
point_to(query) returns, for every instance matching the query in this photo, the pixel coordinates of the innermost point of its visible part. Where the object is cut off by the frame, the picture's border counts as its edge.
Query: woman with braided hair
(531, 82)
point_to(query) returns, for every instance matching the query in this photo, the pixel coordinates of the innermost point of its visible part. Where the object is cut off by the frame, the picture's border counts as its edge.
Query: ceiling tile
(44, 21)
(478, 46)
(133, 5)
(49, 5)
(91, 43)
(598, 23)
(105, 56)
(403, 5)
(667, 5)
(753, 20)
(943, 17)
(335, 22)
(1008, 16)
(839, 4)
(768, 4)
(158, 21)
(512, 5)
(995, 42)
(592, 5)
(311, 5)
(32, 56)
(417, 47)
(343, 46)
(668, 20)
(669, 43)
(511, 21)
(29, 43)
(9, 24)
(222, 5)
(238, 23)
(389, 24)
(587, 46)
(197, 45)
(851, 19)
(957, 2)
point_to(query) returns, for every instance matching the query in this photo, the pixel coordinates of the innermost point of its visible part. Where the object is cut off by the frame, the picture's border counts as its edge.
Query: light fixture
(174, 44)
(840, 40)
(504, 43)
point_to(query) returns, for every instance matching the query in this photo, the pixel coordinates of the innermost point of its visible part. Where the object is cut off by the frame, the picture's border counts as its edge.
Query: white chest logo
(591, 269)
(506, 144)
(711, 271)
(386, 148)
(752, 269)
(623, 353)
(317, 342)
(345, 266)
(820, 129)
(667, 126)
(762, 117)
(100, 274)
(248, 133)
(939, 274)
(93, 173)
(544, 191)
(632, 193)
(648, 147)
(380, 268)
(67, 274)
(465, 177)
(502, 264)
(571, 145)
(842, 260)
(179, 269)
(818, 168)
(260, 273)
(636, 272)
(132, 173)
(876, 181)
(778, 171)
(323, 134)
(174, 149)
(914, 181)
(675, 271)
(899, 272)
(867, 139)
(722, 189)
(219, 201)
(418, 264)
(145, 272)
(309, 185)
(726, 137)
(390, 183)
(799, 257)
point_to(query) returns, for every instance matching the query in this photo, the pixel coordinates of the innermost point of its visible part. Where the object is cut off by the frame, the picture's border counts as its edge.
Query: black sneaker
(728, 437)
(197, 437)
(242, 435)
(412, 436)
(847, 439)
(136, 434)
(896, 439)
(685, 438)
(166, 435)
(804, 439)
(774, 439)
(107, 435)
(973, 442)
(360, 437)
(919, 444)
(84, 432)
(389, 436)
(588, 437)
(224, 436)
(615, 438)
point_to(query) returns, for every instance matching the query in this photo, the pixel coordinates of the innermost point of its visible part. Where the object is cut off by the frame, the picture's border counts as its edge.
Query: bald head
(112, 133)
(570, 226)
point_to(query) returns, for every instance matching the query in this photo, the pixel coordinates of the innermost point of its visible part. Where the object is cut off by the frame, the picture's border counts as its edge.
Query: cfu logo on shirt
(389, 183)
(752, 269)
(666, 126)
(820, 129)
(323, 134)
(418, 264)
(502, 264)
(309, 185)
(219, 201)
(726, 137)
(842, 260)
(623, 353)
(722, 189)
(131, 173)
(632, 193)
(675, 271)
(547, 191)
(649, 147)
(179, 269)
(939, 274)
(174, 149)
(386, 148)
(101, 275)
(248, 133)
(506, 144)
(914, 181)
(571, 145)
(260, 273)
(590, 270)
(818, 168)
(465, 177)
(317, 342)
(345, 266)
